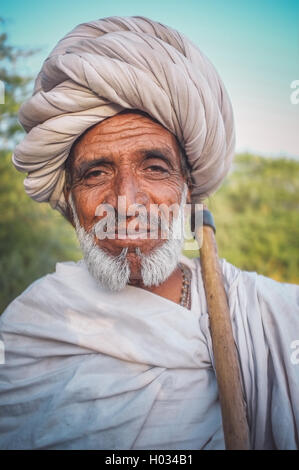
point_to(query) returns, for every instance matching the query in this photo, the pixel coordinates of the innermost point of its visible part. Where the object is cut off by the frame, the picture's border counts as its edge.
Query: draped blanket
(103, 67)
(89, 369)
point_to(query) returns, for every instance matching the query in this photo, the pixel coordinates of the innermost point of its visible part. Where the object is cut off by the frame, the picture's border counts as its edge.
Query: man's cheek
(169, 191)
(87, 202)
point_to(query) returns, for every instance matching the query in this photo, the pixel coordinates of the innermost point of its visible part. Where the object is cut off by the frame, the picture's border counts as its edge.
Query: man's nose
(128, 190)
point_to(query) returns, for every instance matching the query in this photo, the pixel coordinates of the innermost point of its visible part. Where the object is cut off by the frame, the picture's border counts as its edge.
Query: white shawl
(89, 369)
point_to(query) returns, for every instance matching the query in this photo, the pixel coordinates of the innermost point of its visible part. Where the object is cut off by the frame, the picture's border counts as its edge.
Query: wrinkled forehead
(133, 127)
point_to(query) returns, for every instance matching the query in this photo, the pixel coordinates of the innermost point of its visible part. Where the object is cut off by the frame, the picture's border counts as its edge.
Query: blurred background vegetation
(256, 210)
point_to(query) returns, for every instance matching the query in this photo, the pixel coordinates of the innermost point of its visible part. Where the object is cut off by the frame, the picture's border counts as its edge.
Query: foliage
(16, 88)
(33, 237)
(256, 212)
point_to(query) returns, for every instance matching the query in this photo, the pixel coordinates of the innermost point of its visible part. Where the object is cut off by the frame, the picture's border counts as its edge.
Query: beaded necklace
(186, 287)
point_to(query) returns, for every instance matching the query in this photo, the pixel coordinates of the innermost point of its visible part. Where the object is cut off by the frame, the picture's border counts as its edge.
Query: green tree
(16, 88)
(256, 213)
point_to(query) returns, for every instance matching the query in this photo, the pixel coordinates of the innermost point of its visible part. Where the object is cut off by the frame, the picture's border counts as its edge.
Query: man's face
(126, 155)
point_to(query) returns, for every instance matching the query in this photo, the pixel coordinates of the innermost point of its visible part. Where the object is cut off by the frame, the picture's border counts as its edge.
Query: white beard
(113, 272)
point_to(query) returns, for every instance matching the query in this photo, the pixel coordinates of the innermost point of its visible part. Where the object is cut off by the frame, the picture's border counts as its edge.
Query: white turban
(105, 66)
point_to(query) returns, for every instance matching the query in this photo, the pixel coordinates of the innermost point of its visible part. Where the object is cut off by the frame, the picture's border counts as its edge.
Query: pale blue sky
(254, 46)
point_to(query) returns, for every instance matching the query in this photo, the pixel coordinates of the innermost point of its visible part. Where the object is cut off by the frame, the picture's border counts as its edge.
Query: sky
(253, 45)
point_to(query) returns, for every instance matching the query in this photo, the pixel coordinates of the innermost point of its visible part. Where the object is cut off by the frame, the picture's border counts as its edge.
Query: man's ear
(69, 212)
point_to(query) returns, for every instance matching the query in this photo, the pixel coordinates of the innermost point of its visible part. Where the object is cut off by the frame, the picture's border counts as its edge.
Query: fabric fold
(85, 369)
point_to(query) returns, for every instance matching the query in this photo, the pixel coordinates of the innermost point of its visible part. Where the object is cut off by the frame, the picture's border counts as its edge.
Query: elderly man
(115, 351)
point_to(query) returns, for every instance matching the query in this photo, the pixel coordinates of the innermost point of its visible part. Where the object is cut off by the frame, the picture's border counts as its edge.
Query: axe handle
(235, 426)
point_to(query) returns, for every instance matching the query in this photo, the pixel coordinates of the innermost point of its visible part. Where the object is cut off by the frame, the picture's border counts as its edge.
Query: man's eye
(94, 173)
(156, 168)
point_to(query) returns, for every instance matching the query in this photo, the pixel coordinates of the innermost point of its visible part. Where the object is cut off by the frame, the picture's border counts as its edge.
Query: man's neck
(170, 289)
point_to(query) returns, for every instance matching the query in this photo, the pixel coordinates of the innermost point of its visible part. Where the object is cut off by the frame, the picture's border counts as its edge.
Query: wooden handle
(235, 427)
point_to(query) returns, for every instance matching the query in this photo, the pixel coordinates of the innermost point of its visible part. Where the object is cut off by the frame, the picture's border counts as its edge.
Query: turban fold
(106, 66)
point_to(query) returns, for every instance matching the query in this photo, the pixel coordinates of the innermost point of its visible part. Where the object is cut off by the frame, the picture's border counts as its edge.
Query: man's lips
(129, 242)
(117, 244)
